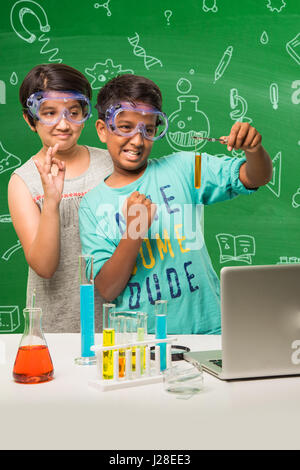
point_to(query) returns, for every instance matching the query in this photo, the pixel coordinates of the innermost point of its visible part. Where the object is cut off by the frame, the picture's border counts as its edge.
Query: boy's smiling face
(129, 153)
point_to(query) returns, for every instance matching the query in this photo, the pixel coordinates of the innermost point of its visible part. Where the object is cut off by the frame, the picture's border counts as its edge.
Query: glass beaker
(33, 363)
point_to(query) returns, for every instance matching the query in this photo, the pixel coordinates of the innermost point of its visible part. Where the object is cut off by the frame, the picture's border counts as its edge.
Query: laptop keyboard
(217, 362)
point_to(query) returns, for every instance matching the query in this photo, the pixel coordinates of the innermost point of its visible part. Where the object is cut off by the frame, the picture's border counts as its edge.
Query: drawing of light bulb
(17, 13)
(239, 106)
(187, 121)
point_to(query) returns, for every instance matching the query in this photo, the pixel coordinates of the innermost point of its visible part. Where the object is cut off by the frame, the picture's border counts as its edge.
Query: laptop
(260, 317)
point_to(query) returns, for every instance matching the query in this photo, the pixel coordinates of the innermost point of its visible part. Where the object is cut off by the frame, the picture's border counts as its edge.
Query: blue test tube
(87, 311)
(161, 330)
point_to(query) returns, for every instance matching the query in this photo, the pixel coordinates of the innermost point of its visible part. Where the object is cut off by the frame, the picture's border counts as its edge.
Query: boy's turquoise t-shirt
(173, 263)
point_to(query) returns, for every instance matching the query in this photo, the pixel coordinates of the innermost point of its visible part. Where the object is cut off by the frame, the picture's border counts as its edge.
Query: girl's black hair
(58, 77)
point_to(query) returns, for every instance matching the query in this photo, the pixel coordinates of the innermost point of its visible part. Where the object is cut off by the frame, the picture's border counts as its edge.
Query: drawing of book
(293, 48)
(236, 248)
(9, 318)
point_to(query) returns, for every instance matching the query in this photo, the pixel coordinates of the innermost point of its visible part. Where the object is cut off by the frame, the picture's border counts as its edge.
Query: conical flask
(33, 363)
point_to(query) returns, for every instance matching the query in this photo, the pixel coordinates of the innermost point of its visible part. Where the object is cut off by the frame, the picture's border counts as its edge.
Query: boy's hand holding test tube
(245, 137)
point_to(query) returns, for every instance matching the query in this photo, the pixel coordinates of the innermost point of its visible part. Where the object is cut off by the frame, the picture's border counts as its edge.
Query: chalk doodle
(5, 219)
(138, 51)
(264, 38)
(275, 184)
(17, 13)
(104, 5)
(187, 121)
(274, 95)
(2, 92)
(236, 248)
(8, 161)
(101, 72)
(14, 79)
(168, 14)
(296, 199)
(11, 250)
(276, 5)
(210, 5)
(293, 48)
(239, 106)
(224, 62)
(9, 318)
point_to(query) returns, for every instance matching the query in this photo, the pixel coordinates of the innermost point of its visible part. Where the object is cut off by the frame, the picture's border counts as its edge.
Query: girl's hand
(52, 172)
(243, 136)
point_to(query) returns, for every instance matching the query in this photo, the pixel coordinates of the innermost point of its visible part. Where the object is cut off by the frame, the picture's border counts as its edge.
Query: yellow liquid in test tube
(140, 336)
(197, 170)
(108, 361)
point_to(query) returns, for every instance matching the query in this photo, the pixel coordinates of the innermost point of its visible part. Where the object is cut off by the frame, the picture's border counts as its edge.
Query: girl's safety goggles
(127, 120)
(46, 106)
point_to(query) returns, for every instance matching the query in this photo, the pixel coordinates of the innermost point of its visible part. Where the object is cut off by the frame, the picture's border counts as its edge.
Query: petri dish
(183, 379)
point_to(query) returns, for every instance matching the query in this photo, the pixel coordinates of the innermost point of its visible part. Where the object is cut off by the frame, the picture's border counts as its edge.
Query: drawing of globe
(185, 123)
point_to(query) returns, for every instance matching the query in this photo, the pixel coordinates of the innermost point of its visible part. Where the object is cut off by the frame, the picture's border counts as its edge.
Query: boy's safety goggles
(46, 106)
(127, 120)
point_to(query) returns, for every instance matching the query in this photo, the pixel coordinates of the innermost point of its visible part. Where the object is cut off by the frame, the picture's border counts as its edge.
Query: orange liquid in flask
(33, 364)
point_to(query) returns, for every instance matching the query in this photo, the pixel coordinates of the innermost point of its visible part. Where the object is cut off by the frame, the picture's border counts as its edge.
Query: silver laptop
(260, 312)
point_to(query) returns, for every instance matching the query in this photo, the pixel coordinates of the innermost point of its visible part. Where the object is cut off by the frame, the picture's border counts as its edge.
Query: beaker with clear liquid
(33, 363)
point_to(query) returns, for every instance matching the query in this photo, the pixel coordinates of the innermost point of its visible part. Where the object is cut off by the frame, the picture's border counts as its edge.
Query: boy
(142, 223)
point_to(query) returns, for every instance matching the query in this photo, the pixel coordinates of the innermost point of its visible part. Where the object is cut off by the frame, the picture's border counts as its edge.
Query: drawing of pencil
(224, 62)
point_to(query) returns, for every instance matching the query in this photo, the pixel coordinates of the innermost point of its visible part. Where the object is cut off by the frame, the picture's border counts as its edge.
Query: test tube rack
(151, 373)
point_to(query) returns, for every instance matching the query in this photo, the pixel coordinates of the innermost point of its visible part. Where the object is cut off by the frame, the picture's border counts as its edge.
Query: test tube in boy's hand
(197, 182)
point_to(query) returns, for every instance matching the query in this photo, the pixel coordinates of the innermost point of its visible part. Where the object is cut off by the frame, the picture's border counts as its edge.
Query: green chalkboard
(216, 62)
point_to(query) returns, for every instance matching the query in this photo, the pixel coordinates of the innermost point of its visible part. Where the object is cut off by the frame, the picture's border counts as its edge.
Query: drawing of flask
(33, 363)
(186, 122)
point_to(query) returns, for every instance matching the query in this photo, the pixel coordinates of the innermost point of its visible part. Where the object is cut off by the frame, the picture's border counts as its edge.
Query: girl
(44, 193)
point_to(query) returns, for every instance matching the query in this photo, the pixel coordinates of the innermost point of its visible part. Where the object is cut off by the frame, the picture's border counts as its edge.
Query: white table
(66, 413)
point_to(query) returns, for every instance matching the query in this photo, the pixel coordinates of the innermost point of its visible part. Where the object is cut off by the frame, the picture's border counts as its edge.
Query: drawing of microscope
(239, 106)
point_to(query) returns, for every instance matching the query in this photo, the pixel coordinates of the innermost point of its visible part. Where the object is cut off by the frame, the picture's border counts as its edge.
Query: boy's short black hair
(57, 77)
(130, 88)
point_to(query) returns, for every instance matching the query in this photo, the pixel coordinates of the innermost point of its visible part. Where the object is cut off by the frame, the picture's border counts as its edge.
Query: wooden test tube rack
(151, 372)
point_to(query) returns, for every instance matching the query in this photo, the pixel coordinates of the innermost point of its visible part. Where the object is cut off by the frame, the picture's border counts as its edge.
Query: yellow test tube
(108, 340)
(108, 360)
(197, 170)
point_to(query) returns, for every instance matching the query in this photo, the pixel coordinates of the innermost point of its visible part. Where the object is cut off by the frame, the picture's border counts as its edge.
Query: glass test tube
(131, 333)
(117, 322)
(87, 311)
(108, 340)
(161, 329)
(197, 182)
(141, 333)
